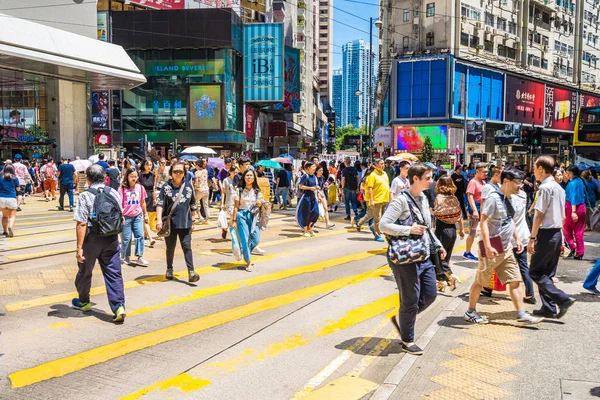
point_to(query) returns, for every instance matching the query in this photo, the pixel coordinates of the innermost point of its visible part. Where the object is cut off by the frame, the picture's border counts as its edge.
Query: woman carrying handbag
(177, 196)
(407, 225)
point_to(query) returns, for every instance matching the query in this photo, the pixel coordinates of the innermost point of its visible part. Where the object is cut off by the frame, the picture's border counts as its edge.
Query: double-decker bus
(586, 137)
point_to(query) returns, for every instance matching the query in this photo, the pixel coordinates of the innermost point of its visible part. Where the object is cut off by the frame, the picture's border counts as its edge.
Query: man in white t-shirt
(400, 183)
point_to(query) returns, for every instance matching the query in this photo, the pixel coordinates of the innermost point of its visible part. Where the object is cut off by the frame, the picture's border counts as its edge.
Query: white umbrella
(198, 150)
(93, 159)
(81, 165)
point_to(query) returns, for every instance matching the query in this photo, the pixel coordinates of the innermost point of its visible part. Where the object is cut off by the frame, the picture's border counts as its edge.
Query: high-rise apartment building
(336, 94)
(325, 49)
(355, 83)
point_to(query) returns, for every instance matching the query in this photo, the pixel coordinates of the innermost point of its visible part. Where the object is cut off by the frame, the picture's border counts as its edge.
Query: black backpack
(107, 218)
(352, 179)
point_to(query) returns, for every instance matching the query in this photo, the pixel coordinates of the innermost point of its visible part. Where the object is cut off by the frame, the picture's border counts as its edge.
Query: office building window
(512, 28)
(533, 60)
(429, 39)
(430, 12)
(471, 13)
(489, 19)
(405, 40)
(406, 16)
(488, 46)
(417, 11)
(464, 39)
(501, 24)
(544, 63)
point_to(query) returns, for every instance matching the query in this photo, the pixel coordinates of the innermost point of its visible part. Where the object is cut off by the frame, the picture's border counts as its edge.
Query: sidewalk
(557, 359)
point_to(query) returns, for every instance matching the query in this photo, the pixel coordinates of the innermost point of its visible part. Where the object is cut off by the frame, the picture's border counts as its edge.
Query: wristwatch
(532, 237)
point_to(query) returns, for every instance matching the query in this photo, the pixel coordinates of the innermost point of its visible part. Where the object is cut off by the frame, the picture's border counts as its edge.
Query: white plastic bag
(235, 245)
(222, 220)
(321, 210)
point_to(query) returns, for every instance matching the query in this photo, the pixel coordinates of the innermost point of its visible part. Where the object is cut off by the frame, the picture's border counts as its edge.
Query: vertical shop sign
(102, 25)
(561, 109)
(100, 110)
(586, 100)
(249, 123)
(263, 63)
(291, 91)
(524, 101)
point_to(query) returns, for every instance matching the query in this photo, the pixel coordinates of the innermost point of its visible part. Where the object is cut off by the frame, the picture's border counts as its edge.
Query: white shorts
(8, 203)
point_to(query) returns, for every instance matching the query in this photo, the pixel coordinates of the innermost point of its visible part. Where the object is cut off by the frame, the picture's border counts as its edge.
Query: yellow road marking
(275, 276)
(344, 388)
(26, 256)
(77, 362)
(280, 241)
(46, 221)
(249, 357)
(185, 382)
(60, 298)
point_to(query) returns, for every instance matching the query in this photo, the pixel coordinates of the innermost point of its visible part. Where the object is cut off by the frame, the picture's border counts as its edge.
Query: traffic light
(536, 139)
(171, 148)
(526, 136)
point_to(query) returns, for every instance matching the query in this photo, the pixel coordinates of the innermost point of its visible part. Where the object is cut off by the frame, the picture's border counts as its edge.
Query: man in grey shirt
(545, 242)
(497, 224)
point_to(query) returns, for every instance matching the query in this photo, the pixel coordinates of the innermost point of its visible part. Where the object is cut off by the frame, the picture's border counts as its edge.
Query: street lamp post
(358, 93)
(378, 24)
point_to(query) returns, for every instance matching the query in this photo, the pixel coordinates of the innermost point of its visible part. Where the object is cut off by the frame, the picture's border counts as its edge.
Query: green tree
(427, 153)
(348, 130)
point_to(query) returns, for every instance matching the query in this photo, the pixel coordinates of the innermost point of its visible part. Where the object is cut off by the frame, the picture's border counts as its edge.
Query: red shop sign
(524, 101)
(162, 4)
(103, 138)
(277, 128)
(249, 127)
(561, 109)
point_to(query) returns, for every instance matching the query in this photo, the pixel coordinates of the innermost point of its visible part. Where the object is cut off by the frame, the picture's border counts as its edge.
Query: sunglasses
(178, 171)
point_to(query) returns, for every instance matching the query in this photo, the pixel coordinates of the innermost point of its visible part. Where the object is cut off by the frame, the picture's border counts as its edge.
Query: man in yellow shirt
(377, 195)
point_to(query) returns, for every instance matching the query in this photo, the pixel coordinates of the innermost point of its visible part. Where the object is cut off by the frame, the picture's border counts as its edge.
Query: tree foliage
(427, 153)
(348, 130)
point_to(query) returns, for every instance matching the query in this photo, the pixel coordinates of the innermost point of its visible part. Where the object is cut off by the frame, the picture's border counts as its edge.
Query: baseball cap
(18, 156)
(8, 162)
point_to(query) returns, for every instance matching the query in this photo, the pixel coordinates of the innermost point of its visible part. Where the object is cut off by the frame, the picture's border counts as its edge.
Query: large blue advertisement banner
(421, 89)
(291, 93)
(263, 62)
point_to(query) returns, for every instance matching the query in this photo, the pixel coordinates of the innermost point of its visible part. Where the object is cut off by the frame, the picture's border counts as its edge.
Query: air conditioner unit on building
(556, 74)
(506, 36)
(479, 47)
(463, 18)
(517, 40)
(488, 36)
(478, 25)
(494, 32)
(488, 29)
(516, 45)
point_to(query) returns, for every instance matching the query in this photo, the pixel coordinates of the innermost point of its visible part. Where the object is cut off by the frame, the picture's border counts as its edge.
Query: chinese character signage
(561, 109)
(277, 128)
(384, 135)
(249, 123)
(100, 110)
(205, 108)
(586, 100)
(162, 4)
(524, 101)
(102, 25)
(263, 63)
(411, 137)
(291, 91)
(172, 67)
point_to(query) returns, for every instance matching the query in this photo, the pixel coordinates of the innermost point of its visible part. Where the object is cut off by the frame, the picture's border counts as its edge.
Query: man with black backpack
(99, 221)
(350, 186)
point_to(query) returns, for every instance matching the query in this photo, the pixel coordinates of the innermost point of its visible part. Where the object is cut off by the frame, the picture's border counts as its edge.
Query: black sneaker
(578, 257)
(530, 300)
(412, 349)
(347, 218)
(562, 309)
(19, 209)
(60, 208)
(169, 274)
(544, 313)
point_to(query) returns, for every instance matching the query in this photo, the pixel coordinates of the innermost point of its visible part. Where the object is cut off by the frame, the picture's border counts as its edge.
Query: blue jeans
(248, 232)
(68, 189)
(527, 281)
(592, 279)
(135, 224)
(282, 191)
(350, 198)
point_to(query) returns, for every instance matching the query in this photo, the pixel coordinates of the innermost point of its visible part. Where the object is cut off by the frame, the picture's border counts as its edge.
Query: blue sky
(344, 34)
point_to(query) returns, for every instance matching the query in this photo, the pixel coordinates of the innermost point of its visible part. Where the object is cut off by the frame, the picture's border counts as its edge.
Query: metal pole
(465, 110)
(369, 141)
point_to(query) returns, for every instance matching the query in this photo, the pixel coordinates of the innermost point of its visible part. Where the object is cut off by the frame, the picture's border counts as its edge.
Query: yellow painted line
(249, 357)
(19, 257)
(61, 298)
(281, 241)
(98, 355)
(54, 232)
(275, 276)
(46, 221)
(184, 382)
(344, 388)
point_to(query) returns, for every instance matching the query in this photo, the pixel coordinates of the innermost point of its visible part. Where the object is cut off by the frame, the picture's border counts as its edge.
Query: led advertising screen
(524, 101)
(475, 131)
(586, 100)
(411, 138)
(263, 63)
(291, 91)
(561, 109)
(100, 110)
(205, 107)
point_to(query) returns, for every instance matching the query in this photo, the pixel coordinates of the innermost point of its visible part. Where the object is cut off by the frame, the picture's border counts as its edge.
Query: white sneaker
(259, 250)
(141, 261)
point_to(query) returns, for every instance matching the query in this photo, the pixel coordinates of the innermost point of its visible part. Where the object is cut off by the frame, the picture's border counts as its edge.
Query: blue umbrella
(188, 157)
(268, 164)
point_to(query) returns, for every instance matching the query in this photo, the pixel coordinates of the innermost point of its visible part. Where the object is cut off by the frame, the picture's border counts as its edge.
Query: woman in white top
(228, 197)
(248, 199)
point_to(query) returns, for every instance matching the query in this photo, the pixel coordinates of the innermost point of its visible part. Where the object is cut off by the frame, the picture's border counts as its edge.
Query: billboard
(102, 25)
(586, 100)
(384, 135)
(205, 107)
(249, 123)
(263, 63)
(291, 87)
(172, 67)
(511, 134)
(162, 4)
(561, 109)
(524, 101)
(101, 110)
(476, 131)
(411, 137)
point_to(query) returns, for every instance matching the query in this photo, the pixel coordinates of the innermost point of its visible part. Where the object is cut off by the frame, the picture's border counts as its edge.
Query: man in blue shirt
(101, 162)
(67, 178)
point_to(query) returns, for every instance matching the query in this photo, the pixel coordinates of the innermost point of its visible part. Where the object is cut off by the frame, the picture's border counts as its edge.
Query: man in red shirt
(474, 206)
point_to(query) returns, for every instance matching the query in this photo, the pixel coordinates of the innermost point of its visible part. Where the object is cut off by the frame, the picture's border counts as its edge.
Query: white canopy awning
(39, 49)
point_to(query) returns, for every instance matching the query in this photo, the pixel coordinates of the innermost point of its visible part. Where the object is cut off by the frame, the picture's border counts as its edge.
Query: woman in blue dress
(307, 212)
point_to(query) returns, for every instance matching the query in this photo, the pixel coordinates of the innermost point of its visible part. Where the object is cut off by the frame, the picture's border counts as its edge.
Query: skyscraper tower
(355, 83)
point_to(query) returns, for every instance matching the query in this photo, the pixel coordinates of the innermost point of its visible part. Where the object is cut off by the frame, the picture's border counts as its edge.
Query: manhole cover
(579, 390)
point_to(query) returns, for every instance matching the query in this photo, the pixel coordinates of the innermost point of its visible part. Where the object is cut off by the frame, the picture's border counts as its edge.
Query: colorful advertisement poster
(524, 101)
(171, 67)
(475, 131)
(586, 100)
(411, 138)
(561, 109)
(263, 63)
(249, 123)
(384, 135)
(205, 107)
(100, 110)
(511, 134)
(291, 91)
(102, 25)
(162, 4)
